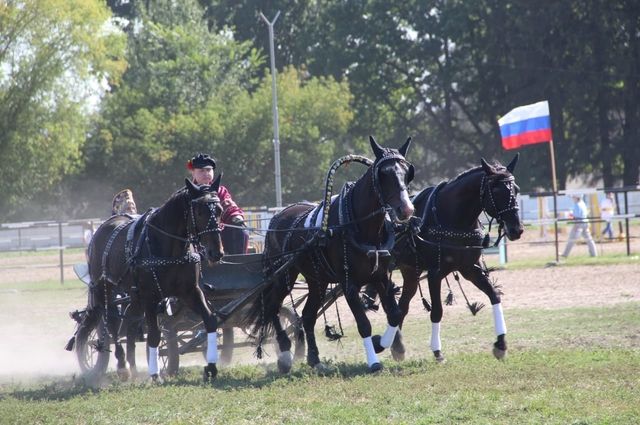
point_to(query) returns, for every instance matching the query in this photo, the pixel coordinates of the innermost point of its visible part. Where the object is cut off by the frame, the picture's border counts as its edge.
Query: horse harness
(347, 224)
(140, 225)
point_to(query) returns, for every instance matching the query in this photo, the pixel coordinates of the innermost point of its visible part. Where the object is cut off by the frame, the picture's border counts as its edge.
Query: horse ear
(216, 183)
(403, 150)
(377, 149)
(194, 190)
(512, 164)
(486, 167)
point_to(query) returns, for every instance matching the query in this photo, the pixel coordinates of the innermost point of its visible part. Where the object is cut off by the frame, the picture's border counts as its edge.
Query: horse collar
(345, 219)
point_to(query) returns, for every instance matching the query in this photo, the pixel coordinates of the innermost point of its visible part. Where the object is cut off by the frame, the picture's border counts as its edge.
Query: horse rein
(193, 235)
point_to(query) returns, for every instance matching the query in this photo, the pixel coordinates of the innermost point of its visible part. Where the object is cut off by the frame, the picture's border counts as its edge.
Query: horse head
(391, 175)
(204, 218)
(498, 193)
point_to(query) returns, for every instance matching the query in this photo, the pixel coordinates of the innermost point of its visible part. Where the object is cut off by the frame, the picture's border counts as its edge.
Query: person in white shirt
(607, 209)
(581, 227)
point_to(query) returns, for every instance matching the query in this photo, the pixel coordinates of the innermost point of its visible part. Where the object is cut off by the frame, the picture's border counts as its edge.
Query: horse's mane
(500, 172)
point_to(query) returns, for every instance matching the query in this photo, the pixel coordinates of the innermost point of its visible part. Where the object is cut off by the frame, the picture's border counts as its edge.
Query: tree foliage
(53, 56)
(442, 71)
(189, 90)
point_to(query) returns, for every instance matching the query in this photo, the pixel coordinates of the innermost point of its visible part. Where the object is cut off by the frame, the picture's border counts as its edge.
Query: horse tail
(266, 306)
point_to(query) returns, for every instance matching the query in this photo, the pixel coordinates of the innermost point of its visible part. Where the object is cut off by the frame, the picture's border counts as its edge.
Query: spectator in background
(580, 214)
(607, 209)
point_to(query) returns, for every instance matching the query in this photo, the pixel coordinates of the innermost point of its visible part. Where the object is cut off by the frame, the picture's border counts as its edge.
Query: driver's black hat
(201, 161)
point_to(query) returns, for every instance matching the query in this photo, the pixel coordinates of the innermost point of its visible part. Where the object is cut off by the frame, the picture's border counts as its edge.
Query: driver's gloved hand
(238, 220)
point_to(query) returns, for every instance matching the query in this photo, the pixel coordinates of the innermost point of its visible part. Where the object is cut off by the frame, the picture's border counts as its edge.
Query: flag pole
(555, 196)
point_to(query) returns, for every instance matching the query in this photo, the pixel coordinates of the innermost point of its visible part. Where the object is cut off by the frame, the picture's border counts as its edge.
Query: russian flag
(526, 125)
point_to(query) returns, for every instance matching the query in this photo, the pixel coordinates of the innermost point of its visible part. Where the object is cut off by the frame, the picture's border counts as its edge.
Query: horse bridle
(388, 155)
(193, 235)
(486, 186)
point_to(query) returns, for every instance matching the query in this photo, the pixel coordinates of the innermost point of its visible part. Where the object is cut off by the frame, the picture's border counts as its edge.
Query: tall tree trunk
(602, 98)
(631, 148)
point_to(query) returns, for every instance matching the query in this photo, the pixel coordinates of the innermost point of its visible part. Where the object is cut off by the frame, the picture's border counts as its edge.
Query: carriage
(228, 287)
(349, 246)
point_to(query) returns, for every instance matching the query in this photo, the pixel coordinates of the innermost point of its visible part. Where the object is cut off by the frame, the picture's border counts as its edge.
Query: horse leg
(352, 294)
(285, 357)
(133, 320)
(394, 316)
(113, 325)
(153, 340)
(199, 306)
(410, 284)
(317, 291)
(480, 278)
(435, 281)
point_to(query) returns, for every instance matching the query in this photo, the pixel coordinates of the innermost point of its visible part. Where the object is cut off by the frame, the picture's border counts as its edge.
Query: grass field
(565, 366)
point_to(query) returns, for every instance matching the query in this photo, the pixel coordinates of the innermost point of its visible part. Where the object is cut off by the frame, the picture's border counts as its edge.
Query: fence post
(626, 220)
(61, 252)
(502, 251)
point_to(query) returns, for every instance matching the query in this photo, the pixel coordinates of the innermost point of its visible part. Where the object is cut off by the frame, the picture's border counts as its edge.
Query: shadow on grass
(59, 390)
(243, 377)
(236, 378)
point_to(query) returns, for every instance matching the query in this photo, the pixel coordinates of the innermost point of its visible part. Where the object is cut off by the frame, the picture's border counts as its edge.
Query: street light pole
(274, 107)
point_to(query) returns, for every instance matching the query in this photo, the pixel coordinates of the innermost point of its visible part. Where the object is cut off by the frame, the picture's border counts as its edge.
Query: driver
(234, 239)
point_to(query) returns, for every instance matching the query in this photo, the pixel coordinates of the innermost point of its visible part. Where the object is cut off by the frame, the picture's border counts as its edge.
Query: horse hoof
(210, 373)
(123, 374)
(499, 354)
(376, 344)
(439, 357)
(376, 367)
(285, 360)
(322, 369)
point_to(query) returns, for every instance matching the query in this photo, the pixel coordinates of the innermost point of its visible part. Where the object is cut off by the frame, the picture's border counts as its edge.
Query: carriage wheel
(292, 324)
(168, 353)
(92, 346)
(226, 349)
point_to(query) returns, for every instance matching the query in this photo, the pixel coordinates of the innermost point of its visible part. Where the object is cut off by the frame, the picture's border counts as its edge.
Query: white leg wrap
(498, 320)
(153, 361)
(212, 347)
(388, 336)
(436, 345)
(372, 357)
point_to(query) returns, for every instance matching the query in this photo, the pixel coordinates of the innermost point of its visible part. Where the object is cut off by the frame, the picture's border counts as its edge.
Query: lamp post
(274, 107)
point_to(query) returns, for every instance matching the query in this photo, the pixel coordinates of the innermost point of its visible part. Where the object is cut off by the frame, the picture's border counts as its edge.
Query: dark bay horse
(450, 239)
(354, 252)
(154, 257)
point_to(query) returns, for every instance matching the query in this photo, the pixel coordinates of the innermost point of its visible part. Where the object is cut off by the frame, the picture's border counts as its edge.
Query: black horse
(354, 252)
(152, 258)
(450, 239)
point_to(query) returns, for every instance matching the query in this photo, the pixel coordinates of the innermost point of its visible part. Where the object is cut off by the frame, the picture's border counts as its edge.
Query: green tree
(171, 102)
(315, 116)
(54, 55)
(189, 90)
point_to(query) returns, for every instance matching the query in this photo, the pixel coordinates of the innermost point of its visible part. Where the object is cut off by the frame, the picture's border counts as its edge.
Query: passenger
(235, 240)
(123, 203)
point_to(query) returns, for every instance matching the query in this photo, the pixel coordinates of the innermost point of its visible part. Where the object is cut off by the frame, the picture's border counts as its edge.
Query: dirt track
(34, 325)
